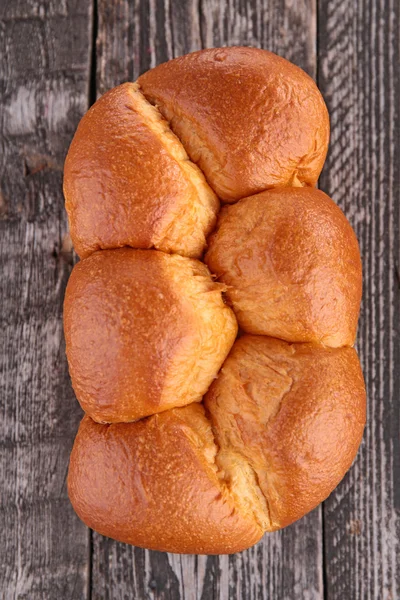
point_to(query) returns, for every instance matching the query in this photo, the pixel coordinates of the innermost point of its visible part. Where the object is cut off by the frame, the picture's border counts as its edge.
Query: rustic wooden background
(56, 57)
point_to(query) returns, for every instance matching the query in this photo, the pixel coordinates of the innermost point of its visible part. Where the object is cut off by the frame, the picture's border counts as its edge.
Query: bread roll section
(282, 424)
(292, 265)
(129, 182)
(250, 119)
(145, 331)
(154, 484)
(295, 412)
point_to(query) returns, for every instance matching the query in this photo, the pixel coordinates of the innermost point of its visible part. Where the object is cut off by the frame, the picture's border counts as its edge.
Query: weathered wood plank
(133, 37)
(359, 55)
(136, 36)
(44, 73)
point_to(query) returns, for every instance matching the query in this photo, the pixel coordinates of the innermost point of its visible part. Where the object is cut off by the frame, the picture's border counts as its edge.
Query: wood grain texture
(133, 37)
(359, 77)
(44, 71)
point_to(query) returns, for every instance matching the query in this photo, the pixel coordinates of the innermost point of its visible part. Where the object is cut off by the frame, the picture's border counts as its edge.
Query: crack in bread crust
(203, 213)
(286, 408)
(207, 99)
(179, 123)
(240, 482)
(225, 416)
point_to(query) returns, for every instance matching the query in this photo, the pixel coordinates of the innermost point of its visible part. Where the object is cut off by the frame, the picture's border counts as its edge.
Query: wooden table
(56, 57)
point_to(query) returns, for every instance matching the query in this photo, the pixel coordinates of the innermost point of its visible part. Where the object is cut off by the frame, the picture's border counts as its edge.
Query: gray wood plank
(133, 37)
(44, 74)
(136, 36)
(359, 59)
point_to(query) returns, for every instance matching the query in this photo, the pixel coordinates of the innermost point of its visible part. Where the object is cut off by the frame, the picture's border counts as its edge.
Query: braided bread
(195, 440)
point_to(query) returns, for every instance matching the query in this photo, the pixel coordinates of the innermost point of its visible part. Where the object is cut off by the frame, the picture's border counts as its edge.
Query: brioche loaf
(176, 453)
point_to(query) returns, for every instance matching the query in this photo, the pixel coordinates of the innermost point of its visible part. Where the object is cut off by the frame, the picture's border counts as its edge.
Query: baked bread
(154, 483)
(171, 456)
(128, 181)
(283, 424)
(250, 119)
(145, 331)
(295, 412)
(292, 265)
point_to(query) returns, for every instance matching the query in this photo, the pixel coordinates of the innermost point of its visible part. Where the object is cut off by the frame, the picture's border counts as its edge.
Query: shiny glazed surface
(147, 331)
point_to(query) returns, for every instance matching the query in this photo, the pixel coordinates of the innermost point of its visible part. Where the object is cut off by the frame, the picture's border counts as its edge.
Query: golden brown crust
(292, 265)
(287, 421)
(128, 181)
(145, 331)
(250, 119)
(154, 484)
(296, 412)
